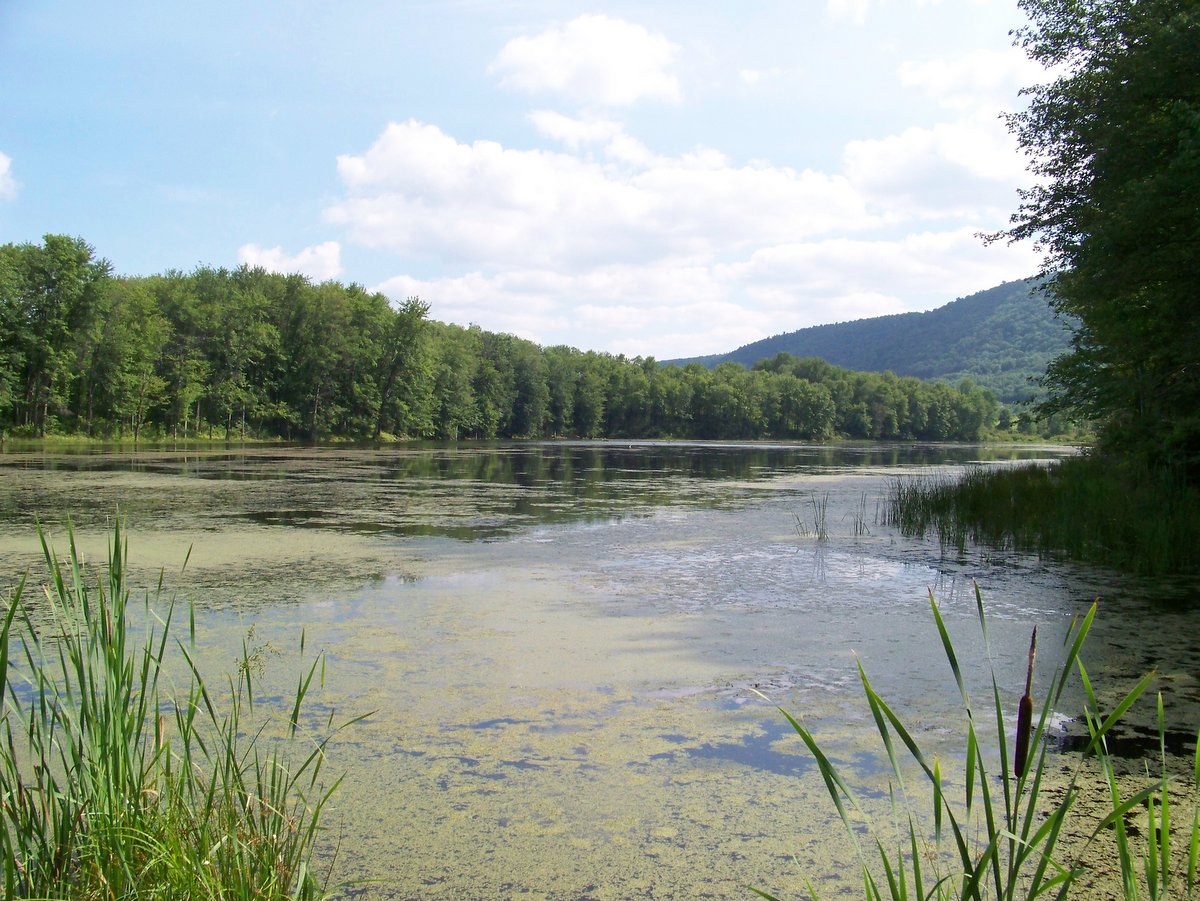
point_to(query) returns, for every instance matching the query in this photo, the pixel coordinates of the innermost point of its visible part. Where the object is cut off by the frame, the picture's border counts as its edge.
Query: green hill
(1001, 338)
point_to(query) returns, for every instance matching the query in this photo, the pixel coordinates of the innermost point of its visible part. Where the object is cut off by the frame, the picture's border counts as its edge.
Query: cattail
(1025, 714)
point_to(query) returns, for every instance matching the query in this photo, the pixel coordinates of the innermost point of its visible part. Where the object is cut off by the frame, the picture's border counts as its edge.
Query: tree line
(218, 353)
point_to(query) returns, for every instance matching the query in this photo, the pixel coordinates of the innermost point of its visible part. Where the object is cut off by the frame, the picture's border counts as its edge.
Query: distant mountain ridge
(1001, 338)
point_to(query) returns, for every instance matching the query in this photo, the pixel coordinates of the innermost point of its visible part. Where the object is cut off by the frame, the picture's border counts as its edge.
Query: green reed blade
(938, 802)
(897, 889)
(770, 897)
(948, 647)
(875, 703)
(834, 783)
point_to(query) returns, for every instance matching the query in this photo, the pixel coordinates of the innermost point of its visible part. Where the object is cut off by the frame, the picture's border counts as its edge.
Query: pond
(561, 645)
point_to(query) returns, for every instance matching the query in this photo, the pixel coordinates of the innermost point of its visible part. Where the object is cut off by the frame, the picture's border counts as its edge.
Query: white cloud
(320, 262)
(982, 78)
(855, 11)
(616, 306)
(968, 168)
(851, 10)
(693, 308)
(575, 133)
(592, 60)
(755, 77)
(916, 268)
(421, 193)
(629, 150)
(650, 254)
(8, 185)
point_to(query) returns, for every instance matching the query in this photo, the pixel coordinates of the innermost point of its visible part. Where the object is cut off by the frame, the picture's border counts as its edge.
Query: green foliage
(251, 353)
(884, 406)
(53, 307)
(1115, 141)
(1001, 338)
(1123, 514)
(113, 788)
(1003, 839)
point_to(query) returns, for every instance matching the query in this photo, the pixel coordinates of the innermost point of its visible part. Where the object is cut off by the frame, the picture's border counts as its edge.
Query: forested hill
(1000, 338)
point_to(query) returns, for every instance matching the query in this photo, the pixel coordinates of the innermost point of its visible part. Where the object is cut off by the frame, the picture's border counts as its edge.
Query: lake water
(560, 644)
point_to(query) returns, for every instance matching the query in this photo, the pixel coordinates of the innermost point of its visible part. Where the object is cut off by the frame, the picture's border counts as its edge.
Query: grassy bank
(1131, 517)
(114, 786)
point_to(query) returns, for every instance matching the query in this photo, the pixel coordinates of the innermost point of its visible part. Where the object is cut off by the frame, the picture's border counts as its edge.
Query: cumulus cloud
(575, 132)
(915, 269)
(980, 79)
(320, 262)
(685, 306)
(420, 192)
(678, 255)
(8, 185)
(753, 77)
(856, 10)
(593, 60)
(705, 307)
(966, 168)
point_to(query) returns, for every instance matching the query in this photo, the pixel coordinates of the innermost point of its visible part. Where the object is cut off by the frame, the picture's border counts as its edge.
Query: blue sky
(662, 179)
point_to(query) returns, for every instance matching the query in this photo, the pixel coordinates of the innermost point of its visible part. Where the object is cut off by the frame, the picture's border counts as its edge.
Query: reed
(1126, 515)
(818, 507)
(1003, 839)
(858, 517)
(113, 786)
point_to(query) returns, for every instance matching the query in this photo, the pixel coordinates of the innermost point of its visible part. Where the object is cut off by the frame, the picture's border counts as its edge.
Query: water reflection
(464, 493)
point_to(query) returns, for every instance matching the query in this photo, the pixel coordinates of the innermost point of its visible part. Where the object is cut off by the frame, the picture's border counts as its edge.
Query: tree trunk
(385, 395)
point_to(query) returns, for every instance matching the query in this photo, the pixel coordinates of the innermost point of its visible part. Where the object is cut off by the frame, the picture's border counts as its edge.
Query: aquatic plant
(858, 517)
(112, 787)
(818, 506)
(1005, 839)
(1130, 516)
(813, 520)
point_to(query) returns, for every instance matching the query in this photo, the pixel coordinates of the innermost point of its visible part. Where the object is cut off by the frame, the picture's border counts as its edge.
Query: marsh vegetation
(116, 783)
(1118, 513)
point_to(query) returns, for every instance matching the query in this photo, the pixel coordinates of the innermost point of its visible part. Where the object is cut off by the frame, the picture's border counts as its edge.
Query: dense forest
(216, 353)
(1002, 338)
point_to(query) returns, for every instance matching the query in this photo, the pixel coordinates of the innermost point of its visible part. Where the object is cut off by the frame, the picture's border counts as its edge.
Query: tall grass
(1128, 516)
(113, 786)
(1003, 839)
(818, 507)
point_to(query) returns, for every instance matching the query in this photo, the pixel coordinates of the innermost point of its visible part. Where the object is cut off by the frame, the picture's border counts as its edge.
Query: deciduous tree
(1114, 137)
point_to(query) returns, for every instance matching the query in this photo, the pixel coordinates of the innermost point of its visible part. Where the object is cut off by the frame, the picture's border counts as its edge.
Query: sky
(663, 179)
